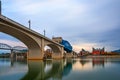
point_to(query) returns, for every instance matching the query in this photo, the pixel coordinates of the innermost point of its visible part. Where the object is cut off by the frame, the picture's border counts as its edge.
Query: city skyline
(85, 24)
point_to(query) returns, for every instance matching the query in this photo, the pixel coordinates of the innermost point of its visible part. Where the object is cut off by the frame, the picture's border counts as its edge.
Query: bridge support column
(37, 53)
(58, 55)
(62, 52)
(12, 57)
(42, 47)
(12, 54)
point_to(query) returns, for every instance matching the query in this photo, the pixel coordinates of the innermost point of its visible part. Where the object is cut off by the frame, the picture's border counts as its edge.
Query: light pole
(44, 32)
(29, 24)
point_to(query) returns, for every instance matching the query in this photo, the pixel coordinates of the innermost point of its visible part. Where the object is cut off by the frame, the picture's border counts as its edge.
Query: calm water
(68, 69)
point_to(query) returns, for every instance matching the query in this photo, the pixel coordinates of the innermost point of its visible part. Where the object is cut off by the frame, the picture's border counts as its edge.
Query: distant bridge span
(33, 40)
(8, 47)
(5, 46)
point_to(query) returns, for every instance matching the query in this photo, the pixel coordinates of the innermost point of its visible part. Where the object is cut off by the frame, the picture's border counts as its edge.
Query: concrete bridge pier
(12, 54)
(34, 54)
(58, 54)
(12, 57)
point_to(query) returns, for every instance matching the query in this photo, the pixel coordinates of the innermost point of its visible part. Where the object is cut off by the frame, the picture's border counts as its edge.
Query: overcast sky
(84, 23)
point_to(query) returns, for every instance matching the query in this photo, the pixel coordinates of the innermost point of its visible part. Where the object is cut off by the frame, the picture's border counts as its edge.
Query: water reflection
(97, 62)
(12, 69)
(66, 69)
(48, 70)
(37, 70)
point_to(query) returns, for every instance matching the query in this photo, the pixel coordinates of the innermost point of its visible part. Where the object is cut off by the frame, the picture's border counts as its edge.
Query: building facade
(98, 51)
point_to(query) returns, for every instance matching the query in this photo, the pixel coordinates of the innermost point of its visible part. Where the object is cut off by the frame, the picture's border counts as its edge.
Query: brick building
(98, 51)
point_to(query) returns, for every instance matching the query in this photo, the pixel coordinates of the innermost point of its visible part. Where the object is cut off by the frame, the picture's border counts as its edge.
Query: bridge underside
(57, 51)
(34, 43)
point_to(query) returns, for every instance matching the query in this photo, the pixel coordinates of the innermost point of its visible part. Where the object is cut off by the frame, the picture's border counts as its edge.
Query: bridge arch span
(33, 40)
(55, 48)
(52, 51)
(28, 40)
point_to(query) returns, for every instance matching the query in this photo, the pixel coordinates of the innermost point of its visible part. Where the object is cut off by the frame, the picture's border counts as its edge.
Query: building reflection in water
(83, 62)
(86, 64)
(82, 65)
(97, 62)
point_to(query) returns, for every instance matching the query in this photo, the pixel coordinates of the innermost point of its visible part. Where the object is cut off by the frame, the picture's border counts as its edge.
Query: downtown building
(98, 51)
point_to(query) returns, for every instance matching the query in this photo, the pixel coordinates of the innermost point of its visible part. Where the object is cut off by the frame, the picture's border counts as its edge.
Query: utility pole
(44, 32)
(29, 24)
(0, 7)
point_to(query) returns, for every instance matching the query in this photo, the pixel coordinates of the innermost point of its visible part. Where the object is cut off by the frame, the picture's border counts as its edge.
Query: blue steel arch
(67, 45)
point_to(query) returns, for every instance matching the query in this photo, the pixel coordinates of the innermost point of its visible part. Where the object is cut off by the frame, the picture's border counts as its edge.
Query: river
(65, 69)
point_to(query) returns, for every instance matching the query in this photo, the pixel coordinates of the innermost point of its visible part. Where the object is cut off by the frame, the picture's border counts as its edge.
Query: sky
(84, 23)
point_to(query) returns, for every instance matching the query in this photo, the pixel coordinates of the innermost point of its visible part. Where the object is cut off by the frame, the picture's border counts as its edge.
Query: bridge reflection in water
(49, 69)
(65, 69)
(39, 70)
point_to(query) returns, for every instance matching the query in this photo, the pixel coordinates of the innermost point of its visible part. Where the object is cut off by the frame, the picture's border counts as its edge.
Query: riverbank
(103, 56)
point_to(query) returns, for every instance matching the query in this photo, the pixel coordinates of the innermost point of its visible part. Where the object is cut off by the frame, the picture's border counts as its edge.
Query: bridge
(65, 43)
(33, 40)
(67, 47)
(4, 46)
(8, 47)
(15, 49)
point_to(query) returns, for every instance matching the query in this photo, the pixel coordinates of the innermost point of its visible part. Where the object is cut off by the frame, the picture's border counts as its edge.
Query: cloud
(86, 46)
(79, 21)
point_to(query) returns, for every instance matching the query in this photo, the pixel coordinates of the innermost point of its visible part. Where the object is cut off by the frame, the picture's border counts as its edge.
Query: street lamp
(29, 24)
(44, 32)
